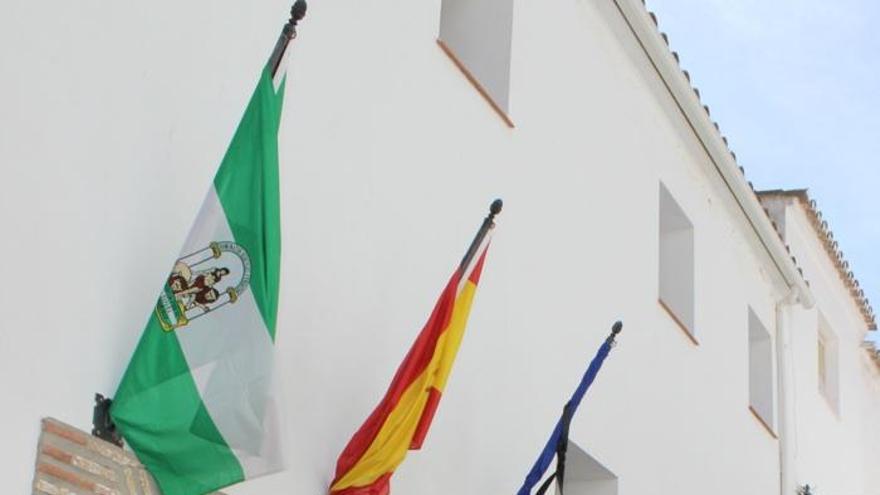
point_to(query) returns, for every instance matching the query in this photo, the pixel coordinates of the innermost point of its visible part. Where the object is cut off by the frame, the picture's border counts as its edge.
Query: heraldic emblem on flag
(203, 281)
(197, 402)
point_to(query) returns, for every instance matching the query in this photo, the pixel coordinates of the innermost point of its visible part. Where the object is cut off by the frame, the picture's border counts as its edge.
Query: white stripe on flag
(476, 259)
(230, 355)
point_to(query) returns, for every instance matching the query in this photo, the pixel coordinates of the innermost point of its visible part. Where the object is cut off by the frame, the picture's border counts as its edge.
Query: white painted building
(835, 377)
(733, 374)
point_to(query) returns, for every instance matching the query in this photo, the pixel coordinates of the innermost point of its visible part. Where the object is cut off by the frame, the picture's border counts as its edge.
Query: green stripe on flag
(175, 432)
(251, 166)
(160, 413)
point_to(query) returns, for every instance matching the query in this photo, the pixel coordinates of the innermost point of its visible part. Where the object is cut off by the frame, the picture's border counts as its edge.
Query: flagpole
(288, 33)
(558, 443)
(488, 224)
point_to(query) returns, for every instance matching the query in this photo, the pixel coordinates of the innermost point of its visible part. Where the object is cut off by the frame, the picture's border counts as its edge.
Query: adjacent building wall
(836, 445)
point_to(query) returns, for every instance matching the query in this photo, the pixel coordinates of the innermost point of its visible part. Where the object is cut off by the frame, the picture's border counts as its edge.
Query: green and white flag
(196, 402)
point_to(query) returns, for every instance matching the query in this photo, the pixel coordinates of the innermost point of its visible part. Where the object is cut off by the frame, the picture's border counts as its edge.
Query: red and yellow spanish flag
(401, 421)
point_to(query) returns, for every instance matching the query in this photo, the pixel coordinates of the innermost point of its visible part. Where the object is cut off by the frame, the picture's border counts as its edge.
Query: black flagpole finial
(615, 330)
(288, 33)
(298, 11)
(495, 207)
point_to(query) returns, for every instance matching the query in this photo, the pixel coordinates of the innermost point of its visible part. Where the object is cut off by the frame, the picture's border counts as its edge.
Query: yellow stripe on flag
(394, 438)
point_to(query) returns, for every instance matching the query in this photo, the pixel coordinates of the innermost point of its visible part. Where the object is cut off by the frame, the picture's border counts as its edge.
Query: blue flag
(557, 444)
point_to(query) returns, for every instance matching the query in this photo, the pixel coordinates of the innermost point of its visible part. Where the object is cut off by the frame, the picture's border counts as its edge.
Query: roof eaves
(667, 64)
(832, 249)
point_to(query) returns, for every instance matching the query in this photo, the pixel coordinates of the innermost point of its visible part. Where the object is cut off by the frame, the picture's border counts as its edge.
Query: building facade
(740, 369)
(834, 374)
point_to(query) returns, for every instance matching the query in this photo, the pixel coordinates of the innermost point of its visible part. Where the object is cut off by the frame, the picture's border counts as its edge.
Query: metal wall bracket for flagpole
(288, 33)
(102, 424)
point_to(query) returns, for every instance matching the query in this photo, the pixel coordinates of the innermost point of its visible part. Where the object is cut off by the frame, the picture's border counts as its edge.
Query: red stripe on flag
(427, 416)
(415, 362)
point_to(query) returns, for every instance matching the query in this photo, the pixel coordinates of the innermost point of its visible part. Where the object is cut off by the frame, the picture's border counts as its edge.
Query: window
(676, 291)
(476, 34)
(827, 365)
(584, 475)
(760, 371)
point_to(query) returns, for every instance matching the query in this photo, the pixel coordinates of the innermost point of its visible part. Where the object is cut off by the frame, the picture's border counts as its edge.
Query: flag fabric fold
(401, 420)
(557, 444)
(196, 402)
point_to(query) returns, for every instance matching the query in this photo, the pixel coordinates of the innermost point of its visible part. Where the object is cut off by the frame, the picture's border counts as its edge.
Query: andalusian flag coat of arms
(196, 402)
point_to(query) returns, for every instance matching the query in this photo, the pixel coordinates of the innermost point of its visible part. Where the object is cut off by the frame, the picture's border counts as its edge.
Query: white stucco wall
(870, 426)
(115, 118)
(837, 451)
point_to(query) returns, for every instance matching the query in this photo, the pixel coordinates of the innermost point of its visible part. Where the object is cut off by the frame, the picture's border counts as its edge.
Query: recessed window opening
(676, 244)
(760, 371)
(477, 35)
(828, 364)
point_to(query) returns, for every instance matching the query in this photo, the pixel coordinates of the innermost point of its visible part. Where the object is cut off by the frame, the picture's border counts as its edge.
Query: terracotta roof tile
(873, 351)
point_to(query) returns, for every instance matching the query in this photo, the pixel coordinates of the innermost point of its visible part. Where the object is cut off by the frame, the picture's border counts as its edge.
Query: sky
(794, 86)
